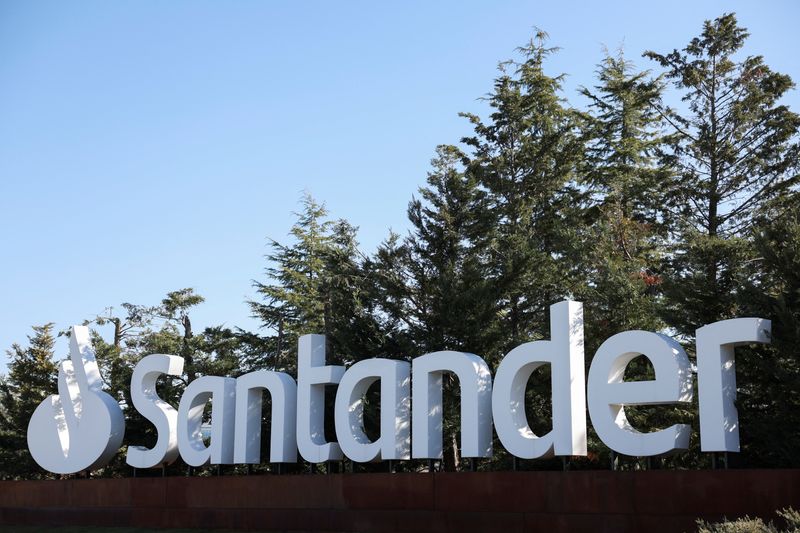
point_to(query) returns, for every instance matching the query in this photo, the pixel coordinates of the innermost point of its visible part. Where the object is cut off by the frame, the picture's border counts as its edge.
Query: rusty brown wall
(465, 502)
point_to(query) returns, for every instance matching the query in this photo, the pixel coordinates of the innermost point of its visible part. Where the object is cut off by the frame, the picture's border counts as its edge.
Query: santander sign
(82, 427)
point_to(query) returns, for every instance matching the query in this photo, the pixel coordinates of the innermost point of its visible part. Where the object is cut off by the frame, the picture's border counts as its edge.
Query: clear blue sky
(148, 146)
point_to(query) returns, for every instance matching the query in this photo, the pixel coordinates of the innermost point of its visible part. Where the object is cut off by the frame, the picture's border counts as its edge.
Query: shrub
(790, 517)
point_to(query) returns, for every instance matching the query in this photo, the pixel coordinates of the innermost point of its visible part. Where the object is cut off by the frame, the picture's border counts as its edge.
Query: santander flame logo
(81, 427)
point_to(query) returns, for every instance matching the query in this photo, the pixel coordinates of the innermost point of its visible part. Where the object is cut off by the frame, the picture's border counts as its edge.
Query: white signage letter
(564, 353)
(476, 404)
(609, 393)
(716, 378)
(161, 414)
(221, 392)
(283, 443)
(312, 376)
(81, 427)
(395, 377)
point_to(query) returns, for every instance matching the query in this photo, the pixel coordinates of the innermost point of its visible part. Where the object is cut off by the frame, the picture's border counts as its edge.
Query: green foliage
(733, 149)
(292, 303)
(438, 291)
(657, 216)
(316, 284)
(525, 158)
(626, 236)
(624, 139)
(31, 378)
(440, 288)
(769, 376)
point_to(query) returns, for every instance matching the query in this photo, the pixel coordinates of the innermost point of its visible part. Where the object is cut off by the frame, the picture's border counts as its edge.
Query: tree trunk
(117, 333)
(191, 374)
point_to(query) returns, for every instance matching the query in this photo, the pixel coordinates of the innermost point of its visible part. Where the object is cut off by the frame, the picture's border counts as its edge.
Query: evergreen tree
(734, 148)
(350, 306)
(389, 293)
(447, 303)
(493, 234)
(624, 139)
(291, 305)
(175, 310)
(625, 228)
(315, 285)
(525, 157)
(768, 376)
(439, 292)
(31, 378)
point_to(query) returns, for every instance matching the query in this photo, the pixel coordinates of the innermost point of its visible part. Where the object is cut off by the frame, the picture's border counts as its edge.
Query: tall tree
(290, 303)
(624, 231)
(493, 230)
(314, 285)
(768, 376)
(175, 308)
(447, 302)
(525, 156)
(733, 148)
(348, 292)
(436, 288)
(31, 378)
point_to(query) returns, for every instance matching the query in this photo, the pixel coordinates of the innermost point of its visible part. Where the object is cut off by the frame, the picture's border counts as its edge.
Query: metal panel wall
(465, 502)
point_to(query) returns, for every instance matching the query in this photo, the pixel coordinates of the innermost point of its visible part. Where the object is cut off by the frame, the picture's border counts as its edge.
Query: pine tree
(316, 284)
(348, 292)
(31, 379)
(624, 177)
(733, 148)
(768, 376)
(436, 287)
(525, 157)
(291, 304)
(447, 305)
(175, 309)
(493, 232)
(625, 138)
